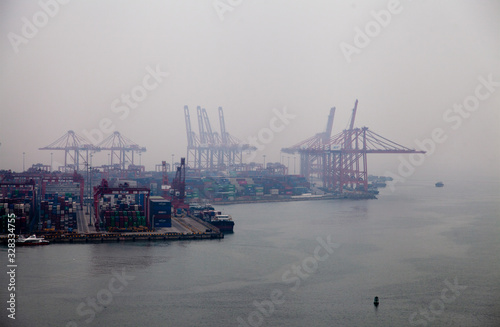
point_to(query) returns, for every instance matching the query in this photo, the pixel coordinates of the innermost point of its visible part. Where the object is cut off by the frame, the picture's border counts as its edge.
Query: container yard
(117, 211)
(58, 214)
(51, 207)
(19, 199)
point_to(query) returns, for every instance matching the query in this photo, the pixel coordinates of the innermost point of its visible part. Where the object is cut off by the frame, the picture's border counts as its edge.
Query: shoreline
(123, 237)
(314, 198)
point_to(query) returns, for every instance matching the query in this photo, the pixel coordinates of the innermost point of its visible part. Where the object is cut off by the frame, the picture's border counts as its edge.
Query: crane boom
(329, 126)
(188, 126)
(210, 136)
(201, 126)
(353, 117)
(222, 126)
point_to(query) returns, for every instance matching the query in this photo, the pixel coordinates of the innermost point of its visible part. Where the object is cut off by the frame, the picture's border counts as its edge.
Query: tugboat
(375, 301)
(31, 241)
(439, 184)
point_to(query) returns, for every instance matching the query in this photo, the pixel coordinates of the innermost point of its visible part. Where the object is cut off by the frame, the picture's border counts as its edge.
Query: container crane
(178, 189)
(209, 150)
(343, 157)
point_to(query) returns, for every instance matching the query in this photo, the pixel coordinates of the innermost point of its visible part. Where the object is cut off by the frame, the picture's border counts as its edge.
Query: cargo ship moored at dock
(207, 213)
(223, 222)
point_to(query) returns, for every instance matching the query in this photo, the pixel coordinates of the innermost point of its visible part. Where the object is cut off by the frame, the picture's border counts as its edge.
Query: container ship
(223, 222)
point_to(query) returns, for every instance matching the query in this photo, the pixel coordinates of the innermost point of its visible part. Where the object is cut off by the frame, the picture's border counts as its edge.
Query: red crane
(75, 178)
(343, 157)
(311, 150)
(178, 189)
(164, 184)
(104, 189)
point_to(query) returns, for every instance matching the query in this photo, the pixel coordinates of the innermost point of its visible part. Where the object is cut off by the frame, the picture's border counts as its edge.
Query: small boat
(375, 301)
(439, 184)
(31, 241)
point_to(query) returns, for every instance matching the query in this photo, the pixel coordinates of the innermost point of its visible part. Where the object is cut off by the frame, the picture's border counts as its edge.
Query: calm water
(406, 247)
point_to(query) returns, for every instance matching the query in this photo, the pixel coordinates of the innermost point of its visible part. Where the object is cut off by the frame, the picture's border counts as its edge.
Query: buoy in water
(375, 301)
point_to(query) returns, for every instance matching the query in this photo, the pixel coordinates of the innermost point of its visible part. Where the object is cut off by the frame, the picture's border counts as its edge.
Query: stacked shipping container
(18, 199)
(23, 212)
(125, 218)
(160, 212)
(58, 213)
(123, 211)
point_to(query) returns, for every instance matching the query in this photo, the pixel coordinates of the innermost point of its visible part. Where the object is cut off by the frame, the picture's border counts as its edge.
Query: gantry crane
(209, 150)
(343, 157)
(74, 147)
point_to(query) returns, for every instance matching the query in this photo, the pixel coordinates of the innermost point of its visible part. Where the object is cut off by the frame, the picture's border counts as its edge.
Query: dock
(183, 228)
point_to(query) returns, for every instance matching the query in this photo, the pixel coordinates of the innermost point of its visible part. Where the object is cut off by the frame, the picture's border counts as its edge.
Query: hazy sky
(68, 70)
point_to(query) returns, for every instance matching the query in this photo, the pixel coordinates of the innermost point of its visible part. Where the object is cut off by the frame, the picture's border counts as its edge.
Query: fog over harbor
(414, 67)
(245, 199)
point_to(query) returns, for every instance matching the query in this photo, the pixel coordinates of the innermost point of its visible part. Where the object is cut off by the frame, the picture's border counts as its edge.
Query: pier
(183, 228)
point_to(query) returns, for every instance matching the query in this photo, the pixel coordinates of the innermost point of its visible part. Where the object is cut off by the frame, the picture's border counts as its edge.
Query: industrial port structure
(206, 150)
(340, 160)
(209, 150)
(120, 192)
(78, 151)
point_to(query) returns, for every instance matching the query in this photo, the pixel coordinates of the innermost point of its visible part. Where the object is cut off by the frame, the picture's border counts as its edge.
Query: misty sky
(73, 70)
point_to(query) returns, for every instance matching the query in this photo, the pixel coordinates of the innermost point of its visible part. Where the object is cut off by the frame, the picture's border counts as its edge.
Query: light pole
(51, 161)
(140, 158)
(264, 156)
(23, 161)
(90, 205)
(288, 165)
(172, 167)
(294, 165)
(89, 197)
(109, 163)
(88, 183)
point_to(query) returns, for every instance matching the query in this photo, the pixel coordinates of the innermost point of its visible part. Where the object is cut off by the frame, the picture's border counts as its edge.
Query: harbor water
(431, 255)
